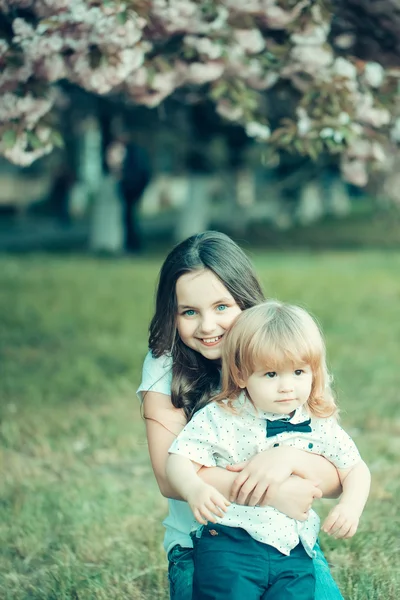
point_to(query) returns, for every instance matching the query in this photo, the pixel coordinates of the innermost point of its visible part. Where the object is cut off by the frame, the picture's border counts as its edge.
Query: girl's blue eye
(270, 374)
(221, 307)
(189, 313)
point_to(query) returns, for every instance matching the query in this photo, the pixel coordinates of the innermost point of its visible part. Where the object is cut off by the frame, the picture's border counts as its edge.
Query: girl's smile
(206, 310)
(212, 341)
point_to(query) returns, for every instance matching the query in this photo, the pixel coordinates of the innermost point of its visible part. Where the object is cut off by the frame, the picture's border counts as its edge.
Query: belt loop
(199, 531)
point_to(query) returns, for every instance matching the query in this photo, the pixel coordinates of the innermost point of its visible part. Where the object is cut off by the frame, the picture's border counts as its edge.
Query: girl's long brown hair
(196, 379)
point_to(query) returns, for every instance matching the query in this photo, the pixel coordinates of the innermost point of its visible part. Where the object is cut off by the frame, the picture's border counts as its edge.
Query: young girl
(205, 282)
(275, 390)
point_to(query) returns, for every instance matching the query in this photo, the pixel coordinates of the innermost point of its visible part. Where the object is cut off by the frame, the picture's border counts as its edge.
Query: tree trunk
(194, 216)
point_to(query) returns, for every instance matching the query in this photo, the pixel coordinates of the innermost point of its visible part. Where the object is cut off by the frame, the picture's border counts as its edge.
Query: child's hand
(342, 521)
(207, 503)
(261, 473)
(294, 497)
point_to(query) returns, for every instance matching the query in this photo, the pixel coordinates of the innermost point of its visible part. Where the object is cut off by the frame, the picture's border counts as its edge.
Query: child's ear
(241, 382)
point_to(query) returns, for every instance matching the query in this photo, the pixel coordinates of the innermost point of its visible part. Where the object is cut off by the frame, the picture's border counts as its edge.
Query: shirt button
(310, 445)
(275, 445)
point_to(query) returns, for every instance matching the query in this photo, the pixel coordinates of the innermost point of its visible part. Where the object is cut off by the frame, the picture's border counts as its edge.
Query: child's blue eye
(189, 313)
(221, 307)
(270, 374)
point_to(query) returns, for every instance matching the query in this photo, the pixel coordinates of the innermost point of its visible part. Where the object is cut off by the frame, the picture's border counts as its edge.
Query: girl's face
(280, 391)
(205, 312)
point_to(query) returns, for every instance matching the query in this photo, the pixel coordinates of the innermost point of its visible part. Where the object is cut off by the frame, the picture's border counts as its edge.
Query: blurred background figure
(127, 165)
(134, 178)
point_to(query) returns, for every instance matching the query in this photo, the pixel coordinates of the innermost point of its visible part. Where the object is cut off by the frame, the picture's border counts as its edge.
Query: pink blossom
(372, 115)
(19, 153)
(165, 83)
(355, 172)
(359, 148)
(200, 73)
(309, 59)
(204, 46)
(250, 40)
(311, 35)
(257, 78)
(344, 68)
(251, 7)
(277, 18)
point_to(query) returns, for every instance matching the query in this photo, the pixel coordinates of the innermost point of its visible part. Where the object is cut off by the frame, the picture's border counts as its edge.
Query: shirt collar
(243, 403)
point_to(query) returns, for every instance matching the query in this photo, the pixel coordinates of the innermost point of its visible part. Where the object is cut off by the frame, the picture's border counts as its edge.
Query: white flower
(395, 132)
(359, 148)
(338, 137)
(326, 132)
(355, 172)
(344, 68)
(200, 73)
(258, 131)
(345, 41)
(277, 18)
(304, 122)
(228, 111)
(344, 118)
(312, 59)
(377, 117)
(220, 21)
(204, 46)
(312, 35)
(374, 74)
(378, 152)
(19, 154)
(250, 40)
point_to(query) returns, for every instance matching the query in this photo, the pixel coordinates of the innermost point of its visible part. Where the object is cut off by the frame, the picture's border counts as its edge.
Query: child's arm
(206, 502)
(265, 471)
(343, 519)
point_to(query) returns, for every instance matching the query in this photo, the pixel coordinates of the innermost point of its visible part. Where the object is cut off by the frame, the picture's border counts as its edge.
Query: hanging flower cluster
(237, 52)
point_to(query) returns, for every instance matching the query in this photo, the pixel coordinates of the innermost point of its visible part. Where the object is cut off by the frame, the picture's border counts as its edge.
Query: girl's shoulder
(161, 364)
(156, 375)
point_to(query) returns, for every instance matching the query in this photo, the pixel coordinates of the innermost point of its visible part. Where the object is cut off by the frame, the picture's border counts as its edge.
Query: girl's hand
(342, 521)
(206, 503)
(263, 473)
(294, 497)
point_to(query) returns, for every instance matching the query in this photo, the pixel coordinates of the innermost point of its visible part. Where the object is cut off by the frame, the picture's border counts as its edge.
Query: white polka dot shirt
(218, 437)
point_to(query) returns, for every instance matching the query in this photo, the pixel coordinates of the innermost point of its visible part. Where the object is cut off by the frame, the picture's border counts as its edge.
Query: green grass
(80, 513)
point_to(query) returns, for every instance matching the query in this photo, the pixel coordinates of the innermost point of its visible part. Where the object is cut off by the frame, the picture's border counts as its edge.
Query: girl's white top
(216, 436)
(157, 377)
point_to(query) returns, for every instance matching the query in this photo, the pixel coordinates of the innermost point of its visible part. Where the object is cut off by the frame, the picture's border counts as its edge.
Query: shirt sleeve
(339, 448)
(156, 375)
(199, 439)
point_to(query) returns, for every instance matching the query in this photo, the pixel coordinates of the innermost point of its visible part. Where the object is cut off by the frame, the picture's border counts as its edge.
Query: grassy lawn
(80, 513)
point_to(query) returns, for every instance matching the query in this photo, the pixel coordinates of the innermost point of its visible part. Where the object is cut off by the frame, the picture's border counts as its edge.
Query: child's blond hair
(268, 336)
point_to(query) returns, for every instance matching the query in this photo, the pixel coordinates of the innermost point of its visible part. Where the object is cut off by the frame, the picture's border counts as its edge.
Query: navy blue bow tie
(281, 425)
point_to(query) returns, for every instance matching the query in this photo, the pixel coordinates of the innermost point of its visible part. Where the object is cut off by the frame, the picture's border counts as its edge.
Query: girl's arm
(163, 423)
(343, 519)
(267, 470)
(205, 501)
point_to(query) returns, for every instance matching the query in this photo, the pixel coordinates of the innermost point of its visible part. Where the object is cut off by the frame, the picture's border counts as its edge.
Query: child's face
(206, 310)
(280, 391)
